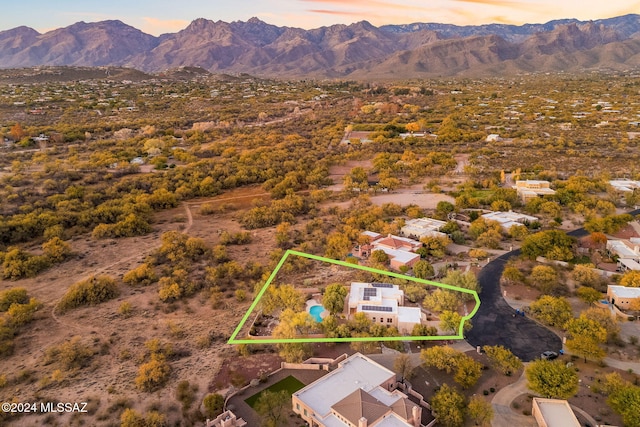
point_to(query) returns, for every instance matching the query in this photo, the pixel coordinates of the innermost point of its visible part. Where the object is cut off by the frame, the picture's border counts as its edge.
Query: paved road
(496, 323)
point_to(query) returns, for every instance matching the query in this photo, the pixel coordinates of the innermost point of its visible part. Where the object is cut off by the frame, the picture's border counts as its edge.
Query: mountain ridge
(358, 50)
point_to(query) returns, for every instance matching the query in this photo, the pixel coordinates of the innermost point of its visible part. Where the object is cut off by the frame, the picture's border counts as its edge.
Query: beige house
(226, 419)
(359, 393)
(399, 249)
(627, 251)
(383, 304)
(531, 189)
(621, 296)
(423, 227)
(553, 413)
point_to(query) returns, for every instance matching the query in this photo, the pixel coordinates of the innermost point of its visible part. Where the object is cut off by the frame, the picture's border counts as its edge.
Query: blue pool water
(315, 311)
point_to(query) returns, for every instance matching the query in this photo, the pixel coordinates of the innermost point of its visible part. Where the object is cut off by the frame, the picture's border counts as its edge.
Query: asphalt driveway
(496, 323)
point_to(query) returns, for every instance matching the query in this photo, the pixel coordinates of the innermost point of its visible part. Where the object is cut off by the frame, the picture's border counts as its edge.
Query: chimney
(416, 413)
(362, 422)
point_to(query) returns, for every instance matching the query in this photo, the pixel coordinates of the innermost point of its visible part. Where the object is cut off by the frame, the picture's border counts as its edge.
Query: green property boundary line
(234, 340)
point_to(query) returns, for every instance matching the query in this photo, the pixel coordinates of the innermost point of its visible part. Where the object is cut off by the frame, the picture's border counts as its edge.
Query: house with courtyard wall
(226, 419)
(383, 304)
(530, 189)
(509, 219)
(622, 296)
(401, 250)
(627, 252)
(359, 393)
(422, 227)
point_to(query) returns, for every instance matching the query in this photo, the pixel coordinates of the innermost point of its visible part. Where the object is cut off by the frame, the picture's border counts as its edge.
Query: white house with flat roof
(622, 296)
(383, 304)
(359, 393)
(422, 227)
(531, 189)
(553, 413)
(628, 253)
(509, 219)
(625, 185)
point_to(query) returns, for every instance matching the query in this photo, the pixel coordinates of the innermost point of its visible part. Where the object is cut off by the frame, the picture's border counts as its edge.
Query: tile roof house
(359, 393)
(399, 249)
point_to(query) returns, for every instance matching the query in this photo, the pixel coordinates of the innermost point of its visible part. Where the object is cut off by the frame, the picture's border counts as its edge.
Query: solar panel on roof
(382, 285)
(370, 292)
(377, 308)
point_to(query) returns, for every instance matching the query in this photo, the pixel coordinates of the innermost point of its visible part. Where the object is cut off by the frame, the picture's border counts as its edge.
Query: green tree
(333, 298)
(273, 407)
(631, 279)
(585, 275)
(588, 295)
(423, 270)
(380, 257)
(552, 244)
(441, 357)
(544, 277)
(442, 300)
(480, 411)
(502, 359)
(450, 322)
(338, 245)
(280, 298)
(449, 406)
(466, 280)
(625, 400)
(468, 372)
(602, 317)
(213, 405)
(585, 337)
(552, 379)
(552, 311)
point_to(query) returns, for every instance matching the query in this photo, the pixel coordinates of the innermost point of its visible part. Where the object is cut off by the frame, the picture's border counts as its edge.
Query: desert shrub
(73, 354)
(92, 291)
(142, 275)
(13, 296)
(18, 264)
(125, 309)
(21, 314)
(131, 418)
(185, 393)
(153, 374)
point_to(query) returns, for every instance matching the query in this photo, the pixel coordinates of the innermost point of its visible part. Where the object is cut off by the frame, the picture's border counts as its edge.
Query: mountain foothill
(357, 51)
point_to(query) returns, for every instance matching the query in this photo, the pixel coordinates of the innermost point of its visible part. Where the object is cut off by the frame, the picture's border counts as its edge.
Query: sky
(164, 16)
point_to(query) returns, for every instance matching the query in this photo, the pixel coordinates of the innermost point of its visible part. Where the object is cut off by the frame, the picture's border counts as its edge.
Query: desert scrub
(92, 291)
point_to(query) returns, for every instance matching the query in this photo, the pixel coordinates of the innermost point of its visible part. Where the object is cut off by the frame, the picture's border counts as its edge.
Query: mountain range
(358, 51)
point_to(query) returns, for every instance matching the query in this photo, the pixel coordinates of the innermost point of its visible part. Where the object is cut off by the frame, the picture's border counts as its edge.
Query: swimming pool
(316, 311)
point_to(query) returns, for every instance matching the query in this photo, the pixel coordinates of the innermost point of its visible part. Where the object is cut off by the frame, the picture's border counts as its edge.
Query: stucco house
(359, 393)
(383, 304)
